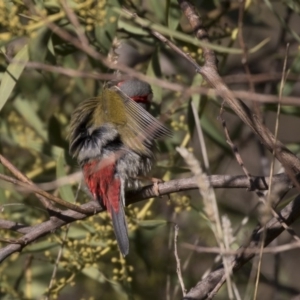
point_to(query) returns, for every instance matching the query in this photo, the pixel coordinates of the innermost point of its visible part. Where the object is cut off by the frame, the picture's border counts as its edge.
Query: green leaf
(38, 46)
(45, 148)
(132, 29)
(98, 276)
(155, 71)
(187, 37)
(213, 133)
(12, 74)
(26, 110)
(65, 191)
(77, 232)
(294, 5)
(159, 9)
(41, 246)
(105, 33)
(94, 274)
(51, 4)
(152, 224)
(289, 85)
(294, 147)
(173, 14)
(2, 192)
(69, 62)
(287, 110)
(207, 125)
(282, 21)
(196, 99)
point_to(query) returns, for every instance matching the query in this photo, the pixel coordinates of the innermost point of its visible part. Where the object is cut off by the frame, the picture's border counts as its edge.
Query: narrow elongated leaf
(152, 224)
(196, 99)
(94, 274)
(155, 71)
(159, 9)
(105, 31)
(2, 192)
(172, 14)
(213, 133)
(70, 62)
(133, 29)
(46, 149)
(38, 46)
(12, 74)
(25, 109)
(41, 246)
(294, 5)
(65, 191)
(188, 38)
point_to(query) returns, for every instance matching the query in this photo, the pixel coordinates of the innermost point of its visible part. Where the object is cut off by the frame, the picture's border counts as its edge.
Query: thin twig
(20, 176)
(269, 203)
(71, 72)
(187, 91)
(177, 185)
(209, 70)
(245, 53)
(266, 250)
(200, 138)
(185, 266)
(74, 21)
(35, 189)
(27, 265)
(220, 234)
(178, 268)
(210, 208)
(273, 229)
(233, 146)
(60, 252)
(170, 246)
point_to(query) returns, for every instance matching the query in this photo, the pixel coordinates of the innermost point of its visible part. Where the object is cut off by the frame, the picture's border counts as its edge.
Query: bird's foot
(156, 182)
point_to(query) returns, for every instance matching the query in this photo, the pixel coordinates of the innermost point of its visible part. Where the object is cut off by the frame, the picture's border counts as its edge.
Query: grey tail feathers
(120, 229)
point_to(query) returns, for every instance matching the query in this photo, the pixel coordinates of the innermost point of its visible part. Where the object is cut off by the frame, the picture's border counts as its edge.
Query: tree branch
(32, 233)
(35, 232)
(19, 175)
(211, 284)
(273, 229)
(209, 71)
(216, 181)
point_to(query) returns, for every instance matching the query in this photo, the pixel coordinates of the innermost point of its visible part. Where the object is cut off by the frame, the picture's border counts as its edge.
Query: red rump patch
(103, 184)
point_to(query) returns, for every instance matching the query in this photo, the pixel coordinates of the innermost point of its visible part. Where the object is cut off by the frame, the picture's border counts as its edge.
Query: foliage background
(35, 111)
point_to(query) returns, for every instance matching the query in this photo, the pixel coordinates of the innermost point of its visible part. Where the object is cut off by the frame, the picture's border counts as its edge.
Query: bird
(112, 137)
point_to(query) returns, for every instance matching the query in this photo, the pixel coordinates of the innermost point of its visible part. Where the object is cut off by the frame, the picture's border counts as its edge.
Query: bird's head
(137, 90)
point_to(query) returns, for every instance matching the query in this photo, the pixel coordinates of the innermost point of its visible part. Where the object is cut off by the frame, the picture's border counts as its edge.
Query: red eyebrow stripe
(143, 99)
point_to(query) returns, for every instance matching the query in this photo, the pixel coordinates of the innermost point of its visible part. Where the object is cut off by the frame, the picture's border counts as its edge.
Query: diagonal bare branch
(272, 229)
(209, 71)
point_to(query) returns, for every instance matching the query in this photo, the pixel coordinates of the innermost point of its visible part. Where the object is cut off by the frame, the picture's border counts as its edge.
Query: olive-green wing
(112, 109)
(141, 127)
(135, 125)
